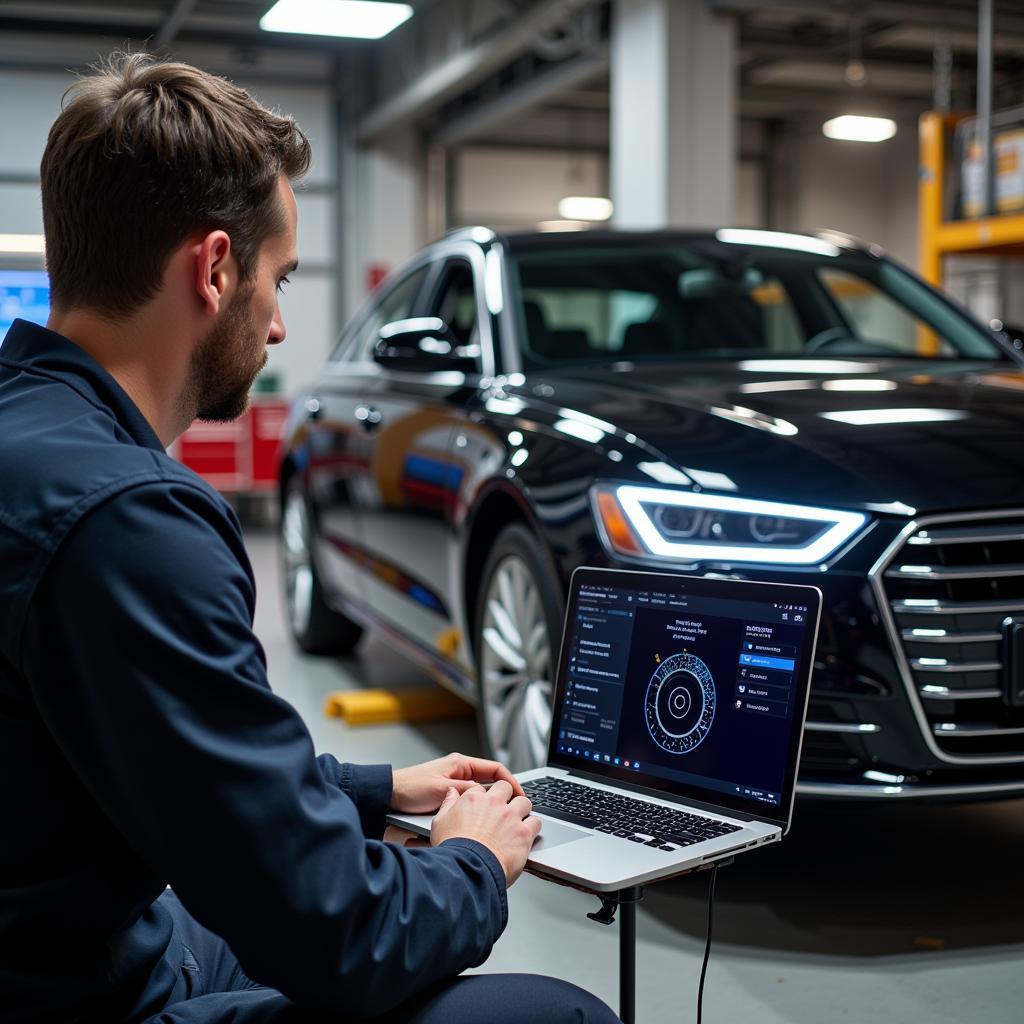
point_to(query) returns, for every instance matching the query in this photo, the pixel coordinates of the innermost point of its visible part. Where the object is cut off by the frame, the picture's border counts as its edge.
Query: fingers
(522, 806)
(449, 798)
(502, 791)
(484, 770)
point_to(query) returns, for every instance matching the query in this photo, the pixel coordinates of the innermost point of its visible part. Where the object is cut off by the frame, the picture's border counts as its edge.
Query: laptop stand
(624, 901)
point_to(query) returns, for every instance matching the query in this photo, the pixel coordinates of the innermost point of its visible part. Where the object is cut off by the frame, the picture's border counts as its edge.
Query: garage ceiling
(536, 71)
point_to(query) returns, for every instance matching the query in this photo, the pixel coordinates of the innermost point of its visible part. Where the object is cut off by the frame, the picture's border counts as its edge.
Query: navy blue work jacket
(141, 745)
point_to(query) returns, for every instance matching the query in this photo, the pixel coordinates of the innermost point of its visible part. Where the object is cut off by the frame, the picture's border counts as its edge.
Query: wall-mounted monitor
(25, 294)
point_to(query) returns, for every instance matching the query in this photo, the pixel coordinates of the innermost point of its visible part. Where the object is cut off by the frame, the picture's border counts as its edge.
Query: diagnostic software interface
(686, 688)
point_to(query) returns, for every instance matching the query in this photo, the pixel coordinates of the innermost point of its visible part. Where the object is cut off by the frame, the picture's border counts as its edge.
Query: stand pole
(628, 900)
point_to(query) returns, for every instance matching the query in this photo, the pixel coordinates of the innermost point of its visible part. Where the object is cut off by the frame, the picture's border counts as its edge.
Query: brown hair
(144, 154)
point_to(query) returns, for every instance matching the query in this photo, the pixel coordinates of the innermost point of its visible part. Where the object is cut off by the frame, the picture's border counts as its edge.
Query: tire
(518, 624)
(314, 625)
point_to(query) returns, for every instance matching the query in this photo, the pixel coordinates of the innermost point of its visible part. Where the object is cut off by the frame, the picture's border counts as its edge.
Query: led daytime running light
(843, 525)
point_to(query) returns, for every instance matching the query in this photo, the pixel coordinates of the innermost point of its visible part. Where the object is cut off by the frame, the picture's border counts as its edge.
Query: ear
(216, 270)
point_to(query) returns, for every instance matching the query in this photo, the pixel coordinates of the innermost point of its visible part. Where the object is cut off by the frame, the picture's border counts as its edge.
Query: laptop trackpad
(554, 833)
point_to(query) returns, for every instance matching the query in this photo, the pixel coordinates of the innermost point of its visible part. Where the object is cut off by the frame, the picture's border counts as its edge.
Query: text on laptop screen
(690, 689)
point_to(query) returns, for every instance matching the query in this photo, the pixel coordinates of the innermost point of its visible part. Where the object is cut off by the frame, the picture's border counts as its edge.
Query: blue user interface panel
(686, 688)
(24, 294)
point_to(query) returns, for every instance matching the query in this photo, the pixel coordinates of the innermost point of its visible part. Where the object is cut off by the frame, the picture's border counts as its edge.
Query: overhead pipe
(466, 68)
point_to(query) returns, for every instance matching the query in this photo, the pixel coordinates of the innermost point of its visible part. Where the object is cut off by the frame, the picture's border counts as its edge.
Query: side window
(455, 301)
(397, 304)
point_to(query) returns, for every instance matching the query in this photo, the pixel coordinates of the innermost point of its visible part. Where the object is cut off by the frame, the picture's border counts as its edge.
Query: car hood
(905, 436)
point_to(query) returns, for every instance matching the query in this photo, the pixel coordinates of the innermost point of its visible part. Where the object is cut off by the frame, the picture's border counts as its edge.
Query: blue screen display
(683, 687)
(25, 294)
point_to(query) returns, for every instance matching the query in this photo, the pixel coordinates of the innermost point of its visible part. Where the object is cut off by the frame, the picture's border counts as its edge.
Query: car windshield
(708, 299)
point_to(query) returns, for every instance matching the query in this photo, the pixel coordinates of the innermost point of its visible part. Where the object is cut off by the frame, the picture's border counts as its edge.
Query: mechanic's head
(145, 154)
(149, 159)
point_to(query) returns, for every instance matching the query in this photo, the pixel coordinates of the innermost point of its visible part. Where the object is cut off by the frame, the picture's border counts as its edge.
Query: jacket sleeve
(368, 786)
(154, 687)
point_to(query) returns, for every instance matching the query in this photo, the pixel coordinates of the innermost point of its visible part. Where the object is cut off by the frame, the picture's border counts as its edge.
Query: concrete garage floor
(897, 913)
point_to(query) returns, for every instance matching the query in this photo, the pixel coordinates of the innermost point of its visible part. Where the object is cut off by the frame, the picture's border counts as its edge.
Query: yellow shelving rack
(993, 235)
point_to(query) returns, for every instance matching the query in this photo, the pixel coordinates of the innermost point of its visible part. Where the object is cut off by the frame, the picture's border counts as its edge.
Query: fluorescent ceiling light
(856, 128)
(664, 473)
(584, 431)
(875, 417)
(805, 366)
(859, 385)
(777, 240)
(769, 387)
(588, 208)
(354, 19)
(563, 225)
(22, 245)
(712, 481)
(582, 417)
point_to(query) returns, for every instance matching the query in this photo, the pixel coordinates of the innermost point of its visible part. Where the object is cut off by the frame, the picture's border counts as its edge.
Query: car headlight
(685, 526)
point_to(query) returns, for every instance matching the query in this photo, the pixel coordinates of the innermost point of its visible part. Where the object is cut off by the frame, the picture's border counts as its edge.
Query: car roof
(522, 240)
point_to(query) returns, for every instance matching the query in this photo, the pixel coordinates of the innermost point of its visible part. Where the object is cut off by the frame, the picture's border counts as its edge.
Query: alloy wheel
(298, 567)
(516, 667)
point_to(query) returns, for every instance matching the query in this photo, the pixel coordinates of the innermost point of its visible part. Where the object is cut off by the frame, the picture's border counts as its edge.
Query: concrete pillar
(673, 114)
(384, 222)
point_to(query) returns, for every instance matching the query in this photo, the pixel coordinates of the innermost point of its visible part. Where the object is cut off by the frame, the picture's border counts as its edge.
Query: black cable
(707, 944)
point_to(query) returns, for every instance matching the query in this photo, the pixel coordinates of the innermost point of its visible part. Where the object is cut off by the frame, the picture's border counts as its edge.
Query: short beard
(222, 371)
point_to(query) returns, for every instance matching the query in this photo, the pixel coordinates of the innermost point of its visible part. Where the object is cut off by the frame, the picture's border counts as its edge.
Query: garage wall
(515, 188)
(510, 188)
(868, 190)
(31, 100)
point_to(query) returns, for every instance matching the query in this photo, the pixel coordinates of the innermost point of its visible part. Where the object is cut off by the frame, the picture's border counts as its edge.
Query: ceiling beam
(466, 68)
(515, 101)
(169, 29)
(934, 15)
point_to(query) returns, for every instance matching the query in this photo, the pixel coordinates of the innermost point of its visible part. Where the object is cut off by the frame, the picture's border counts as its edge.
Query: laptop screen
(692, 685)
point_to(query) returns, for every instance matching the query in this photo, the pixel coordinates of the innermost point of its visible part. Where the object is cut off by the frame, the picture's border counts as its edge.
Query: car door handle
(369, 416)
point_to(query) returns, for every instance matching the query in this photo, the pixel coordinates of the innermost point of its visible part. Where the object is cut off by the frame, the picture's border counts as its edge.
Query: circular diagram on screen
(680, 703)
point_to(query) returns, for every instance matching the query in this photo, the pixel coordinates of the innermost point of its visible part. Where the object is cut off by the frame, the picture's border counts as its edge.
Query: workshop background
(650, 114)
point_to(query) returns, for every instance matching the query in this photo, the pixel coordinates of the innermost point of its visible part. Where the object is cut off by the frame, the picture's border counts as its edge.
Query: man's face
(231, 356)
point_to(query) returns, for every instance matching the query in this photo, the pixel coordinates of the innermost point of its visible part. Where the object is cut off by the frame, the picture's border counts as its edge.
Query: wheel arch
(286, 471)
(502, 505)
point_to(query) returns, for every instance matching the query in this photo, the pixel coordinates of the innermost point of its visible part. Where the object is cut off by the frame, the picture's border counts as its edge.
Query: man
(140, 744)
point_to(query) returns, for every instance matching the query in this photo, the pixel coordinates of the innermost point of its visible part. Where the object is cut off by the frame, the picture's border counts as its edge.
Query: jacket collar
(38, 350)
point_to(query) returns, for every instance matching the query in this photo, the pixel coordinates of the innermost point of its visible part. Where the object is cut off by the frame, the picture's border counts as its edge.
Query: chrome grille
(949, 586)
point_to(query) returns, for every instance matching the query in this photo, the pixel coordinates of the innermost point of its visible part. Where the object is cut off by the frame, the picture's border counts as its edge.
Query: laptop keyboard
(636, 820)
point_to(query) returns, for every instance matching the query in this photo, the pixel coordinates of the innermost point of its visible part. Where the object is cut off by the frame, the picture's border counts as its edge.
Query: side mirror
(423, 343)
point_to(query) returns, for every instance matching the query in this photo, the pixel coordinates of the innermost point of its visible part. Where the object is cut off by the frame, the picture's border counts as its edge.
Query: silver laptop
(678, 719)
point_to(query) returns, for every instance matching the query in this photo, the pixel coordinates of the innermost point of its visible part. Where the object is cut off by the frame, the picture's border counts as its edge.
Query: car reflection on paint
(793, 408)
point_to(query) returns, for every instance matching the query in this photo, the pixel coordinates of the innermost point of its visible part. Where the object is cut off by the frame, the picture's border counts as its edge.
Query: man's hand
(421, 788)
(494, 817)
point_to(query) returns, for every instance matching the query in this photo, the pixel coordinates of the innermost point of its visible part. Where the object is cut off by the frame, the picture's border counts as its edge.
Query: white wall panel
(748, 202)
(30, 102)
(21, 210)
(868, 190)
(308, 310)
(316, 228)
(311, 106)
(504, 187)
